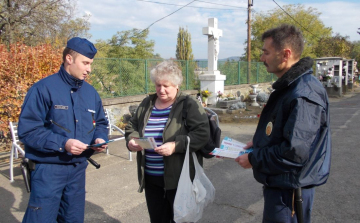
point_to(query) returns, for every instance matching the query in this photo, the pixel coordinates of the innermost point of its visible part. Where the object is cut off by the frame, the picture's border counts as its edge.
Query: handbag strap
(198, 168)
(186, 165)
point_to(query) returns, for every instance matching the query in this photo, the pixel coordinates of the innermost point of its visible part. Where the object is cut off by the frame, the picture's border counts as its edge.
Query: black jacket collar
(295, 71)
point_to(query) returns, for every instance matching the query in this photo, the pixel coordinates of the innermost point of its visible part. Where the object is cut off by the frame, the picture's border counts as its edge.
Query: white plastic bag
(192, 197)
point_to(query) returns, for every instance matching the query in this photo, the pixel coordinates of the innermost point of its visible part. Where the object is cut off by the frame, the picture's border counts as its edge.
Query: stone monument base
(227, 103)
(334, 91)
(213, 83)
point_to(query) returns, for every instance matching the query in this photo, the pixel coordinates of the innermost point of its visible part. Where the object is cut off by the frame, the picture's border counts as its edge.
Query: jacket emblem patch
(269, 128)
(63, 107)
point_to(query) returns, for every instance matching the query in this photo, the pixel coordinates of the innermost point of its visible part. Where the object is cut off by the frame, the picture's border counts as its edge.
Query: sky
(110, 16)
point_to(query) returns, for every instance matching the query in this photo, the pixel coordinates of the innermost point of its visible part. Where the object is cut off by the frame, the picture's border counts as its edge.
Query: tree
(311, 26)
(355, 52)
(157, 56)
(108, 74)
(131, 44)
(72, 28)
(185, 56)
(336, 46)
(37, 22)
(183, 46)
(102, 48)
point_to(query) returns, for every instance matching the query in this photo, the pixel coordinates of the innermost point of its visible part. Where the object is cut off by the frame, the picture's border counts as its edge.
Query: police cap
(82, 46)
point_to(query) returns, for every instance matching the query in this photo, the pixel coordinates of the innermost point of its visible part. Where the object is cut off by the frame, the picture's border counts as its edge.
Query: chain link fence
(126, 77)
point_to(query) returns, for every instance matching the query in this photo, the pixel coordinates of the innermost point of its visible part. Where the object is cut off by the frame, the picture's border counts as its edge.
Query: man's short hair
(69, 51)
(284, 36)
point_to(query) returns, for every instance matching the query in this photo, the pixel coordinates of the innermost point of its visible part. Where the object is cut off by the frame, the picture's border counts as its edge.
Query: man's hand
(75, 146)
(101, 148)
(166, 149)
(133, 146)
(243, 161)
(248, 145)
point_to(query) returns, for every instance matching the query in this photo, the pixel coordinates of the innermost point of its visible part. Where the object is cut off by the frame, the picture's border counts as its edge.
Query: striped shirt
(154, 163)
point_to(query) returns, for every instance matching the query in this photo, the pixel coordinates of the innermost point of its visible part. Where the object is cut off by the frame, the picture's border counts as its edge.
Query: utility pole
(250, 3)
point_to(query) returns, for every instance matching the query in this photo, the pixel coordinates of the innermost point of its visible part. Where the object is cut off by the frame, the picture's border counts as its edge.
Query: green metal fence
(125, 77)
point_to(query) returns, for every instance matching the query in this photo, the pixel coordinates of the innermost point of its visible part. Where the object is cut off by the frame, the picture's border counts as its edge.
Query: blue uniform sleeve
(299, 133)
(101, 130)
(32, 130)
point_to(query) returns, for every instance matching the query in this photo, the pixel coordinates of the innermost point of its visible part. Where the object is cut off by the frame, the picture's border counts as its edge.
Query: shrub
(20, 67)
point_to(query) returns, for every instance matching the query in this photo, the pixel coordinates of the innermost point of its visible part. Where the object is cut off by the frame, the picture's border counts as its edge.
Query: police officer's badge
(269, 128)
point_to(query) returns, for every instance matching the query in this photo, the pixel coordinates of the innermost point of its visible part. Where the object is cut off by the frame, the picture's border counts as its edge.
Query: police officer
(292, 142)
(61, 115)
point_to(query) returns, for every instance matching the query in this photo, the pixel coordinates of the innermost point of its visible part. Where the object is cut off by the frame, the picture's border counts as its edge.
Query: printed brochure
(146, 142)
(231, 148)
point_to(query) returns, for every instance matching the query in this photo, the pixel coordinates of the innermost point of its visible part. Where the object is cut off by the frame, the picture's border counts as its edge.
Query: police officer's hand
(243, 161)
(166, 149)
(248, 145)
(133, 146)
(75, 146)
(101, 148)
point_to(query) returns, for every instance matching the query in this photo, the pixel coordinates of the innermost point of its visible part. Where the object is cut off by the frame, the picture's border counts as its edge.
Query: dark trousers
(278, 205)
(159, 201)
(57, 194)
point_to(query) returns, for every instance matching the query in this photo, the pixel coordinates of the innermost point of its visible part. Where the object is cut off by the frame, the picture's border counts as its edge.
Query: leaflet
(231, 148)
(99, 144)
(146, 142)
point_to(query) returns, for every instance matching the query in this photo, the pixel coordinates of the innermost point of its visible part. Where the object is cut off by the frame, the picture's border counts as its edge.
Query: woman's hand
(166, 149)
(133, 146)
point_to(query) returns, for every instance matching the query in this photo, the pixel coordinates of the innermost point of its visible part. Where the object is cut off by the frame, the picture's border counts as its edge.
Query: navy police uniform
(56, 109)
(292, 143)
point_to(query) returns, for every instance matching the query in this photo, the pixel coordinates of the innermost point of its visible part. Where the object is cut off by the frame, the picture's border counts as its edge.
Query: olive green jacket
(198, 130)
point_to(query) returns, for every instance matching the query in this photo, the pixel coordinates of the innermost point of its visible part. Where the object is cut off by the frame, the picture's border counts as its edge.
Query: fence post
(257, 72)
(146, 78)
(187, 74)
(239, 76)
(121, 84)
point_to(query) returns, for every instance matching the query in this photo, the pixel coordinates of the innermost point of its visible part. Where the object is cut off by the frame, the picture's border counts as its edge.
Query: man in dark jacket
(292, 142)
(61, 115)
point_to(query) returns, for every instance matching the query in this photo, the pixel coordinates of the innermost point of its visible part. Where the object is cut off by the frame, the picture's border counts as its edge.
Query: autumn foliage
(20, 67)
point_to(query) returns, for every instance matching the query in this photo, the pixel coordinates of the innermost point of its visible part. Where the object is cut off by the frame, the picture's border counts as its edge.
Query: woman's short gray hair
(167, 70)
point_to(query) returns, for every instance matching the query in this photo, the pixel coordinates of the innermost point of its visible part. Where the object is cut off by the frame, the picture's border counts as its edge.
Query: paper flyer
(99, 144)
(230, 148)
(146, 143)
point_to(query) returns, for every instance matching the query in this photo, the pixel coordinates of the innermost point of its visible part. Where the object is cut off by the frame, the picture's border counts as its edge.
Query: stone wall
(244, 89)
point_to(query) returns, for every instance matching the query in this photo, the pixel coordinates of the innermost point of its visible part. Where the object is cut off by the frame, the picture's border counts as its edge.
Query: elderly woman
(160, 116)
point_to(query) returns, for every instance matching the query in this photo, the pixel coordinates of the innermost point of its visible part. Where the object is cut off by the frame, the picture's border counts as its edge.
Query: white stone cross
(213, 34)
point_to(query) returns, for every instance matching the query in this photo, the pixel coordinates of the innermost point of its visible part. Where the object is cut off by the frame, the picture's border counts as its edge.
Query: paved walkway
(111, 190)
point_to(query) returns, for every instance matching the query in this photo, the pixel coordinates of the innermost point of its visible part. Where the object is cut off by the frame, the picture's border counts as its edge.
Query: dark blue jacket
(55, 109)
(292, 142)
